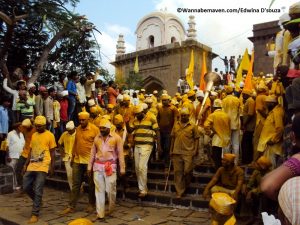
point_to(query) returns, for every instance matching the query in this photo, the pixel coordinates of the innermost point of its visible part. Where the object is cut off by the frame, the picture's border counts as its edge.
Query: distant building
(163, 48)
(262, 34)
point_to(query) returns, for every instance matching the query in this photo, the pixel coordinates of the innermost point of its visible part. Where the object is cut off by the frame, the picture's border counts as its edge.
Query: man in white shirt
(15, 144)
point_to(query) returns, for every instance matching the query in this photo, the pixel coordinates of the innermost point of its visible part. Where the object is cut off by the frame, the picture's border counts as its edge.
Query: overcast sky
(226, 33)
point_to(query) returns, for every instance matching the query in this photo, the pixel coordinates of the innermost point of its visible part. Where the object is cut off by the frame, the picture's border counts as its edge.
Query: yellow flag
(203, 72)
(245, 63)
(248, 80)
(136, 65)
(190, 71)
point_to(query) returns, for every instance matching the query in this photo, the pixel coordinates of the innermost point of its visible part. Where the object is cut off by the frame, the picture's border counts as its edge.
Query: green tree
(134, 81)
(31, 29)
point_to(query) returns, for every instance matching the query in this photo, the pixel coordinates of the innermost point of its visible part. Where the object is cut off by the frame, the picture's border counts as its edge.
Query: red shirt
(64, 110)
(112, 96)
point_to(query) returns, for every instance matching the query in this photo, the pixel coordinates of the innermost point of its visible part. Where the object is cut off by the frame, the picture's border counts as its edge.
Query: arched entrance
(151, 83)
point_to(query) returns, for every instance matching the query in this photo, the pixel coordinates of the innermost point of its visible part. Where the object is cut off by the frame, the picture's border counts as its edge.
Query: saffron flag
(248, 80)
(190, 71)
(203, 72)
(136, 65)
(244, 65)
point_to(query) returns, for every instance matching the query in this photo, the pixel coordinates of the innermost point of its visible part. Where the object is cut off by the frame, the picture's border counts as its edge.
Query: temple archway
(151, 83)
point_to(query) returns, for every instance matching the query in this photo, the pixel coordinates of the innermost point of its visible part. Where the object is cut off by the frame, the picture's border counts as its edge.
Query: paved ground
(18, 209)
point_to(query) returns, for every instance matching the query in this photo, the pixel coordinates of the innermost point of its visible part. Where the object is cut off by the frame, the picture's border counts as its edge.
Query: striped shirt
(26, 110)
(144, 130)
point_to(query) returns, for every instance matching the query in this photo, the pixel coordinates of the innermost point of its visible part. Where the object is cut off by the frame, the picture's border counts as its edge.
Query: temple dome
(159, 28)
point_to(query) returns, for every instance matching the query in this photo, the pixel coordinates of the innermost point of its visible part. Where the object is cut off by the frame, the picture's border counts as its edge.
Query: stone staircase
(156, 185)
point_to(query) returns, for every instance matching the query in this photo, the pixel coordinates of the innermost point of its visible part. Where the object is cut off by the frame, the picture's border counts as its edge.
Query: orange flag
(248, 79)
(203, 72)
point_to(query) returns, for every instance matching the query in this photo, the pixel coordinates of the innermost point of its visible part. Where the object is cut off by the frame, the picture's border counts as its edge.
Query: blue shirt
(3, 120)
(72, 89)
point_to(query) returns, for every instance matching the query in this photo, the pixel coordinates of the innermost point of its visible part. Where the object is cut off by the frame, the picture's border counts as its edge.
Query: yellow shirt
(231, 105)
(277, 88)
(272, 131)
(144, 130)
(84, 140)
(67, 140)
(219, 123)
(41, 144)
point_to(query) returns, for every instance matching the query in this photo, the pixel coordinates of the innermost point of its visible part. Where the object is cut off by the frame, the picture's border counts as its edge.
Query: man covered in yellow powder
(84, 140)
(270, 140)
(231, 105)
(221, 207)
(217, 125)
(252, 189)
(106, 153)
(40, 158)
(95, 115)
(65, 144)
(228, 179)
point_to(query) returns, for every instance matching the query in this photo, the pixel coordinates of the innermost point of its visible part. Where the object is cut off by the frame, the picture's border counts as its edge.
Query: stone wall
(162, 66)
(262, 33)
(6, 179)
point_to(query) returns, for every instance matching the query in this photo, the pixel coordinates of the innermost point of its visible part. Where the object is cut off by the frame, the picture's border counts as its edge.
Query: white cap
(145, 106)
(199, 94)
(120, 98)
(30, 85)
(64, 93)
(213, 93)
(284, 18)
(91, 102)
(70, 125)
(242, 84)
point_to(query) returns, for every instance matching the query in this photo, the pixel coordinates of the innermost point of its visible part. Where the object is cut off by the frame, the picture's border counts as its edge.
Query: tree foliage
(133, 81)
(46, 40)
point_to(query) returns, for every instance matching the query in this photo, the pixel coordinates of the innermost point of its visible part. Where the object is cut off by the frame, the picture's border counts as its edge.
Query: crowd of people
(98, 129)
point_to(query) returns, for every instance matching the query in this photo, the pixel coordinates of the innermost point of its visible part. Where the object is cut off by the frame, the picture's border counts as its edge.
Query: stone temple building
(262, 34)
(163, 48)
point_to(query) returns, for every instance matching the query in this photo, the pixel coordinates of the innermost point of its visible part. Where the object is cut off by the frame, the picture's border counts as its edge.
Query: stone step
(198, 177)
(154, 196)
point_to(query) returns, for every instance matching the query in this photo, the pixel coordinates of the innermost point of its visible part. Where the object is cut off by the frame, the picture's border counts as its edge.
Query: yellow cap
(222, 203)
(155, 92)
(26, 123)
(110, 106)
(177, 94)
(217, 103)
(105, 123)
(118, 119)
(126, 97)
(143, 90)
(165, 97)
(190, 93)
(228, 156)
(40, 120)
(247, 92)
(83, 115)
(228, 89)
(107, 117)
(94, 110)
(264, 161)
(80, 221)
(138, 109)
(271, 98)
